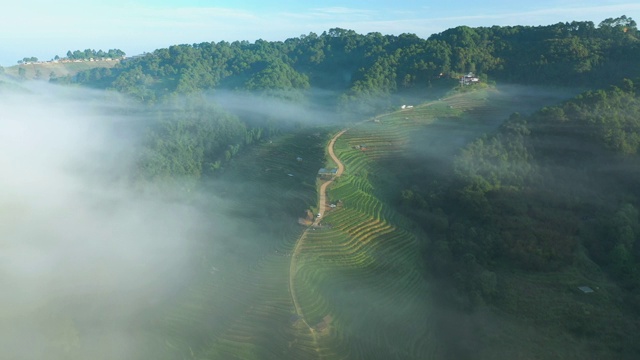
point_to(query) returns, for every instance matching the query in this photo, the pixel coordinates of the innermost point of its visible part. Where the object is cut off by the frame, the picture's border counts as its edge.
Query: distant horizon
(142, 26)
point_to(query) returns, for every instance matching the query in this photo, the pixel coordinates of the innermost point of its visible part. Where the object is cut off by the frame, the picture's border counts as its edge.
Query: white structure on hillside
(469, 79)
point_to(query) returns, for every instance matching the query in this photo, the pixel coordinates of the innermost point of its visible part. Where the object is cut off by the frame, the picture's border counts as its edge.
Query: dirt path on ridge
(296, 250)
(322, 203)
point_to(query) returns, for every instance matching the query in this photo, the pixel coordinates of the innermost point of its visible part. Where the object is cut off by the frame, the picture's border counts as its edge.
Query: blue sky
(45, 28)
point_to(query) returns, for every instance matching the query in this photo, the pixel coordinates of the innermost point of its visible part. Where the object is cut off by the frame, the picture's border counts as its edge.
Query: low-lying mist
(83, 255)
(98, 264)
(446, 136)
(311, 107)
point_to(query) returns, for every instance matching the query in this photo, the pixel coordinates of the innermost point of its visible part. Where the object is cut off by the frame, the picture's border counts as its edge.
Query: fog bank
(83, 255)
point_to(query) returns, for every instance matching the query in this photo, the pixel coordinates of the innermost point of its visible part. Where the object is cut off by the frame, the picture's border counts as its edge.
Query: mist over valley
(481, 200)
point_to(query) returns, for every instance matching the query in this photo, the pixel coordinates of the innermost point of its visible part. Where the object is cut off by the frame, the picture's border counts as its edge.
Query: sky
(44, 28)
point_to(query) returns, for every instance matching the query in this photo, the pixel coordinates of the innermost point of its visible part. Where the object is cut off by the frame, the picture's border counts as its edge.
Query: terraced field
(361, 267)
(349, 287)
(357, 276)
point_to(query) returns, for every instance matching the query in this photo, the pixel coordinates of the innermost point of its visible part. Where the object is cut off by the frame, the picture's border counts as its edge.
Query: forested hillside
(357, 66)
(579, 158)
(547, 203)
(348, 76)
(470, 230)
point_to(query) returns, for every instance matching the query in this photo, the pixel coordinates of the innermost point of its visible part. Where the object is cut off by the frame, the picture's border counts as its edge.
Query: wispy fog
(315, 107)
(94, 267)
(445, 137)
(82, 255)
(250, 105)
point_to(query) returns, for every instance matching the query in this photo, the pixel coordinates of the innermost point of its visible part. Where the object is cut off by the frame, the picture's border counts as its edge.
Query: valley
(472, 195)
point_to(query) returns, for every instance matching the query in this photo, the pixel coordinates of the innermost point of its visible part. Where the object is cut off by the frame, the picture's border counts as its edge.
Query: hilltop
(47, 70)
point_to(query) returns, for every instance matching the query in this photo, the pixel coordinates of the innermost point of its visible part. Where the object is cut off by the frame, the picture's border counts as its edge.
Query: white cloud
(73, 236)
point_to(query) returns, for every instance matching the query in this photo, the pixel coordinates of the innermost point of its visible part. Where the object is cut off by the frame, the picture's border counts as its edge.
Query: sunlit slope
(358, 278)
(46, 70)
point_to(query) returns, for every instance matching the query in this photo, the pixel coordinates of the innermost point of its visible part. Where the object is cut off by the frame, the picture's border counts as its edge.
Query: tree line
(82, 55)
(25, 60)
(358, 67)
(93, 54)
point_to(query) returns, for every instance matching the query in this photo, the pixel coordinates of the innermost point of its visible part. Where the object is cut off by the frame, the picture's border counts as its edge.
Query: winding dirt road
(322, 202)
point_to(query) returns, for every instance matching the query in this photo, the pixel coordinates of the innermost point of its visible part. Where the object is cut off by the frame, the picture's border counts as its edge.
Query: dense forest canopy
(547, 193)
(93, 54)
(358, 66)
(500, 179)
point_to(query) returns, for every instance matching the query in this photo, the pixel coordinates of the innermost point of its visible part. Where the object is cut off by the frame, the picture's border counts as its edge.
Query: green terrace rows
(361, 269)
(357, 278)
(245, 314)
(361, 273)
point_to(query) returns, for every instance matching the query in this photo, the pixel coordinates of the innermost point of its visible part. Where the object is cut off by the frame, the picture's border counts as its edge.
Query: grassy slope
(60, 68)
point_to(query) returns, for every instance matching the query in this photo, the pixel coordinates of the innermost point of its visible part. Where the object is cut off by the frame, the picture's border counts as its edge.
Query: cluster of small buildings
(406, 107)
(469, 79)
(327, 172)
